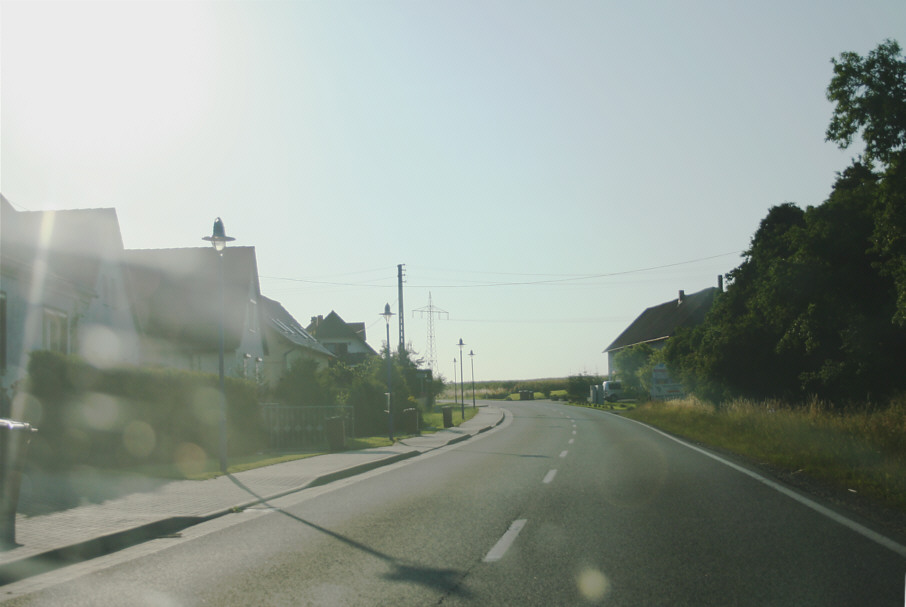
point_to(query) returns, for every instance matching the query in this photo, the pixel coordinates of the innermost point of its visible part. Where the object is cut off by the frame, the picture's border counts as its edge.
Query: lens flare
(139, 439)
(100, 346)
(99, 411)
(593, 585)
(190, 459)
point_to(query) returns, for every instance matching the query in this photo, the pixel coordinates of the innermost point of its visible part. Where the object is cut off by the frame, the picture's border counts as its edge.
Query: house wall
(158, 352)
(108, 334)
(253, 331)
(283, 354)
(42, 312)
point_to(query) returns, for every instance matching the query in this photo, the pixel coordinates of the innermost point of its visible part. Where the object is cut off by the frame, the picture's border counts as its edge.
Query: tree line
(817, 308)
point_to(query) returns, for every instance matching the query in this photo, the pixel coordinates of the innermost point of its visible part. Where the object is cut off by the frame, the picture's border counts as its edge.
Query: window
(56, 331)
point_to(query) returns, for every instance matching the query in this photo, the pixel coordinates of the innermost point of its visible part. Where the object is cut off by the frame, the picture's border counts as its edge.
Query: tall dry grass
(862, 450)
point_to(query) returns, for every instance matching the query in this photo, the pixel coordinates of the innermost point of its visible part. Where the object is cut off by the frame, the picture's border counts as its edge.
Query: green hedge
(124, 417)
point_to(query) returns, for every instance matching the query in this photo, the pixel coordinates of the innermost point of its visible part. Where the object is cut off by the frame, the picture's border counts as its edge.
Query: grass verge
(861, 452)
(434, 420)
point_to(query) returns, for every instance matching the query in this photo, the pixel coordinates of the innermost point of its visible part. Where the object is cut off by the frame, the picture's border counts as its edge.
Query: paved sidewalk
(50, 540)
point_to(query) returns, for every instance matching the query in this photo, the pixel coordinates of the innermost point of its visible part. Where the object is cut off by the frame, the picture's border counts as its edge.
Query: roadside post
(14, 439)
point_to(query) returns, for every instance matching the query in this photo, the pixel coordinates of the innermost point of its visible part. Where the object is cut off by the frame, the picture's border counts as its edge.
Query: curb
(74, 553)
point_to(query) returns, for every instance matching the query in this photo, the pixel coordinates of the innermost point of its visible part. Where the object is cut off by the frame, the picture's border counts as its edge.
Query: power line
(559, 278)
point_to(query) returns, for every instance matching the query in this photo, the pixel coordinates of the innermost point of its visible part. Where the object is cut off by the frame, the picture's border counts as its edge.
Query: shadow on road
(446, 581)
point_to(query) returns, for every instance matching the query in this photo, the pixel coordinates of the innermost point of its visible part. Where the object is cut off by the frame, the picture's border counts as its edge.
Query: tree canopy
(818, 305)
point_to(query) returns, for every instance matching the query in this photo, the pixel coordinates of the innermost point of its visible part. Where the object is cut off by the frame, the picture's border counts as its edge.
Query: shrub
(127, 416)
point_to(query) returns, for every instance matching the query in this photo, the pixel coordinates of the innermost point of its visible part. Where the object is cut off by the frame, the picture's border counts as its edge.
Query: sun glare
(106, 79)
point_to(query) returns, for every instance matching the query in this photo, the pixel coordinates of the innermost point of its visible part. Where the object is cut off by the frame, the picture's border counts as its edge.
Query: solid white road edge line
(549, 477)
(834, 516)
(505, 542)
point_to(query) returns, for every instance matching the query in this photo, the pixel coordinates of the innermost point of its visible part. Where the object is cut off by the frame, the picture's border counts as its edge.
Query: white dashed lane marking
(549, 477)
(505, 542)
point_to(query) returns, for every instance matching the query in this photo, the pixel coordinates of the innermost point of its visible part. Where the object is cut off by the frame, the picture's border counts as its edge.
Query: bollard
(14, 439)
(448, 416)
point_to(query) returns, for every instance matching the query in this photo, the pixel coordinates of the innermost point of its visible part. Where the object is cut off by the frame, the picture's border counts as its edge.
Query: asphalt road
(557, 506)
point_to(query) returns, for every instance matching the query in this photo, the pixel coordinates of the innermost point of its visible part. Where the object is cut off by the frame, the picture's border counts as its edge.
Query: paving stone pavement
(156, 507)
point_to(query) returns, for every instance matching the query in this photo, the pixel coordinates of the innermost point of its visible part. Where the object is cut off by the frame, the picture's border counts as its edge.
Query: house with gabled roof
(63, 288)
(659, 323)
(287, 343)
(177, 299)
(345, 340)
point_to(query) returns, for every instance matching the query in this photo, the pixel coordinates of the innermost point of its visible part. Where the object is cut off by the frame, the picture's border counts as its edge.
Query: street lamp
(387, 314)
(219, 239)
(472, 360)
(462, 389)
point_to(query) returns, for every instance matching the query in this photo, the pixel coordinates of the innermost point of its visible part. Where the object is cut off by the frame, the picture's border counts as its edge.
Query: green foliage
(302, 385)
(632, 362)
(807, 312)
(868, 95)
(577, 386)
(818, 306)
(363, 387)
(127, 417)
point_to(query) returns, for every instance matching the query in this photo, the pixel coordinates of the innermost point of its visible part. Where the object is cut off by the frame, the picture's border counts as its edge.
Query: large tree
(807, 312)
(869, 93)
(869, 96)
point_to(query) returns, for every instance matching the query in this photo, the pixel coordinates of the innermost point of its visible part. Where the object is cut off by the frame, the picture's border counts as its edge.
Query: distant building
(345, 340)
(287, 343)
(659, 323)
(63, 287)
(177, 299)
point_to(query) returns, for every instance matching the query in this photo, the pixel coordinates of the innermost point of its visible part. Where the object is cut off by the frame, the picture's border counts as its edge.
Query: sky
(545, 170)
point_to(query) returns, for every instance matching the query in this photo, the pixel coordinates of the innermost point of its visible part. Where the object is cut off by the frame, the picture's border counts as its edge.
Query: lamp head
(218, 236)
(387, 313)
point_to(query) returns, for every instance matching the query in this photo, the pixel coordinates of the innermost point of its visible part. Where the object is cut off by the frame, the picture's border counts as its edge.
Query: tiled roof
(177, 292)
(283, 323)
(662, 321)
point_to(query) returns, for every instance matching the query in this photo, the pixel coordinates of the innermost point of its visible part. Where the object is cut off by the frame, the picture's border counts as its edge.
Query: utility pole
(400, 274)
(430, 311)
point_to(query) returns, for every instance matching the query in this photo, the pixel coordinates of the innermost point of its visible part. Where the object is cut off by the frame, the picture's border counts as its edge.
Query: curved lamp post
(387, 314)
(219, 239)
(461, 383)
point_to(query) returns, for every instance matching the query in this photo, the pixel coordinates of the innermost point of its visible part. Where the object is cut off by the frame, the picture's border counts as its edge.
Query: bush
(128, 416)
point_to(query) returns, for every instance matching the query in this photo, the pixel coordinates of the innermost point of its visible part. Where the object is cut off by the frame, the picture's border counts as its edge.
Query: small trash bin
(335, 429)
(14, 439)
(410, 420)
(448, 416)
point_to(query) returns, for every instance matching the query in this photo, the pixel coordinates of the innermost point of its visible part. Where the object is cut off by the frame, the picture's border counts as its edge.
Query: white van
(613, 390)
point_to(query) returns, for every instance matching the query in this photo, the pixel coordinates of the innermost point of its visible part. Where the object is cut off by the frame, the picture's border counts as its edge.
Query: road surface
(558, 505)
